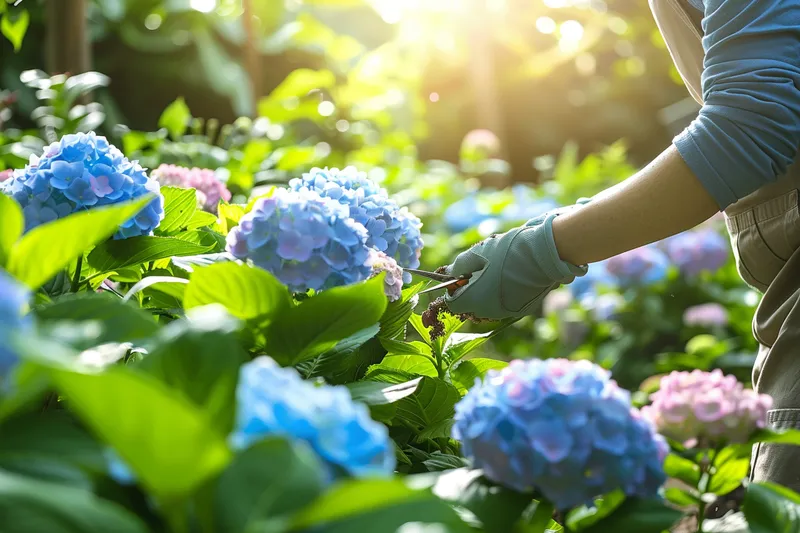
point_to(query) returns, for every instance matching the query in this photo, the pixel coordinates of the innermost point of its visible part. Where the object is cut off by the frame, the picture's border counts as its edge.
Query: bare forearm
(661, 200)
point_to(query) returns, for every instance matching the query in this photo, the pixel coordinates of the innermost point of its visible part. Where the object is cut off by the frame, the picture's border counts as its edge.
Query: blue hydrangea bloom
(276, 401)
(695, 251)
(306, 241)
(526, 205)
(118, 469)
(598, 276)
(465, 214)
(13, 302)
(641, 266)
(561, 427)
(79, 172)
(392, 230)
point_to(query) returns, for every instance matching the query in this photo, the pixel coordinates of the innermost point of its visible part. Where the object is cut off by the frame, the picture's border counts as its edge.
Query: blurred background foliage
(476, 114)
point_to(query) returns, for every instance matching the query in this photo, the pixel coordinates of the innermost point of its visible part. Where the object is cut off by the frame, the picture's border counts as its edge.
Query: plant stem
(706, 466)
(76, 279)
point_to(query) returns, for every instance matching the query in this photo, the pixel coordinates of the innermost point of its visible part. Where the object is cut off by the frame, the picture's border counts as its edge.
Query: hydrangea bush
(82, 171)
(305, 240)
(561, 427)
(276, 401)
(708, 407)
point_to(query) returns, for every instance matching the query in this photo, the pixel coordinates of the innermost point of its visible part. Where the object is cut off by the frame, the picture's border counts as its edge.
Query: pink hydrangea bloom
(209, 189)
(706, 315)
(5, 175)
(393, 282)
(708, 407)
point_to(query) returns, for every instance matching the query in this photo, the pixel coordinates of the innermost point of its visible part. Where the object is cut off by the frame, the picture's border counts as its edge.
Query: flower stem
(76, 279)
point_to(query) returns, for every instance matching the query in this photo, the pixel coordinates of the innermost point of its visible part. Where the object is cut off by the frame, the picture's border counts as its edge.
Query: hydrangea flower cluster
(393, 282)
(562, 427)
(641, 266)
(585, 287)
(706, 316)
(13, 303)
(305, 240)
(708, 407)
(277, 401)
(209, 189)
(391, 230)
(79, 172)
(695, 251)
(465, 214)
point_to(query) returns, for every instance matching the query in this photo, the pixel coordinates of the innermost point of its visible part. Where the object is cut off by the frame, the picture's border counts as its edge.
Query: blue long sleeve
(748, 130)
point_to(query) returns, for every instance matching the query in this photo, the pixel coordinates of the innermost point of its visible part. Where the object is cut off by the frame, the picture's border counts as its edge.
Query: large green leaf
(460, 344)
(179, 207)
(319, 323)
(431, 404)
(378, 393)
(11, 225)
(246, 292)
(637, 516)
(413, 364)
(395, 347)
(729, 475)
(465, 373)
(15, 27)
(28, 505)
(377, 506)
(771, 508)
(342, 359)
(48, 248)
(683, 469)
(164, 439)
(175, 118)
(201, 359)
(117, 321)
(393, 321)
(497, 509)
(115, 255)
(265, 483)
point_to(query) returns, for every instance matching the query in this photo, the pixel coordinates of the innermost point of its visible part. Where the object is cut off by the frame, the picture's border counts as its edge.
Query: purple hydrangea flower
(562, 427)
(699, 250)
(13, 306)
(606, 306)
(641, 266)
(276, 401)
(209, 189)
(706, 316)
(391, 229)
(706, 407)
(306, 241)
(79, 172)
(393, 282)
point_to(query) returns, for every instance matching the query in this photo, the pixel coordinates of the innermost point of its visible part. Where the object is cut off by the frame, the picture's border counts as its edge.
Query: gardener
(741, 60)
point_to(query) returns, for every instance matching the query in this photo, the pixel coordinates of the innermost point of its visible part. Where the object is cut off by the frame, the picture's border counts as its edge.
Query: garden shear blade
(451, 283)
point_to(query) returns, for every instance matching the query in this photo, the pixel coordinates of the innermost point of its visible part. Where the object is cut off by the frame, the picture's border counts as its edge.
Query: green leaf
(413, 364)
(38, 437)
(35, 259)
(377, 506)
(319, 323)
(179, 207)
(541, 517)
(433, 402)
(422, 331)
(115, 255)
(246, 292)
(790, 436)
(12, 223)
(496, 507)
(164, 439)
(729, 475)
(680, 497)
(297, 84)
(636, 515)
(395, 347)
(15, 30)
(771, 508)
(440, 430)
(378, 393)
(201, 219)
(439, 462)
(117, 321)
(28, 505)
(200, 358)
(683, 469)
(344, 358)
(229, 216)
(463, 376)
(460, 344)
(175, 118)
(265, 483)
(393, 321)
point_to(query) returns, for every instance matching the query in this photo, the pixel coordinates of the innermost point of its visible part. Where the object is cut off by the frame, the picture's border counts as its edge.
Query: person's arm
(746, 135)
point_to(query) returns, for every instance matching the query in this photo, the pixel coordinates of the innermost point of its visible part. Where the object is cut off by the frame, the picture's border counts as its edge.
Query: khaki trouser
(765, 234)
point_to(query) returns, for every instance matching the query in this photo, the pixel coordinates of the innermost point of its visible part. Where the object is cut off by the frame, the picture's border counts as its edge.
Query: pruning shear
(451, 283)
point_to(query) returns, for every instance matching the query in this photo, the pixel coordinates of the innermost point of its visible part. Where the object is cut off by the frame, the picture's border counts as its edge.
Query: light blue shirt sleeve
(748, 130)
